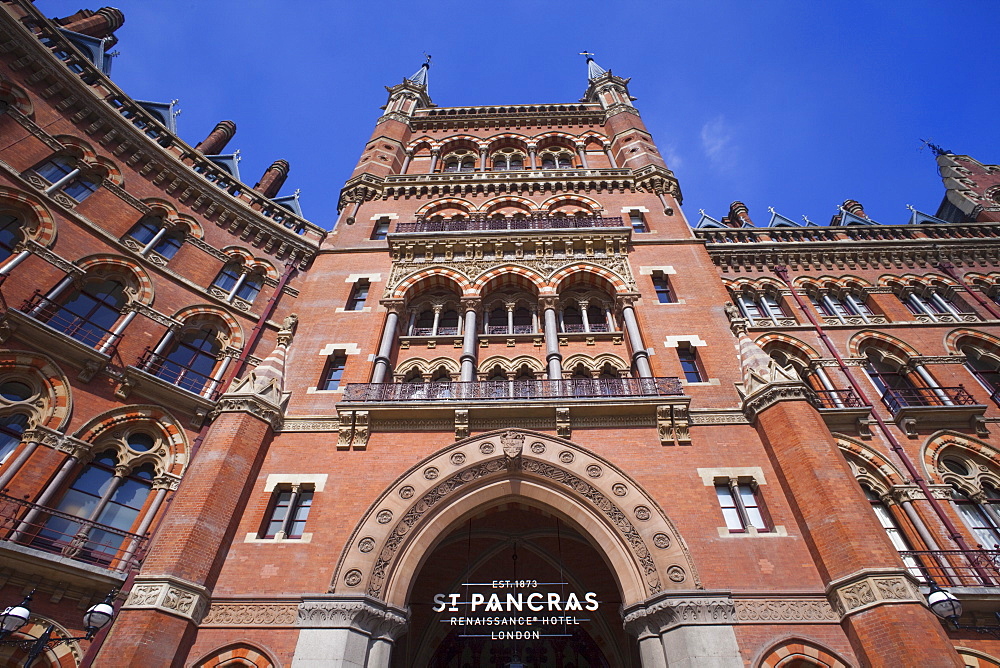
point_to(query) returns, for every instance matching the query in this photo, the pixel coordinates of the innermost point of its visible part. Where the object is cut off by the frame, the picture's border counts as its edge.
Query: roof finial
(935, 148)
(593, 69)
(420, 77)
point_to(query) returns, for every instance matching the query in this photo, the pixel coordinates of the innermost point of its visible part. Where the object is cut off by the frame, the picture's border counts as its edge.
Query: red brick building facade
(515, 409)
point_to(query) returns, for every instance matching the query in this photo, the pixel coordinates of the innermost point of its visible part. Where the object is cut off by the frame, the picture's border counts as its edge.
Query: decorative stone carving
(487, 448)
(171, 595)
(251, 614)
(642, 513)
(353, 578)
(870, 588)
(364, 614)
(406, 492)
(366, 544)
(512, 443)
(595, 471)
(772, 394)
(458, 458)
(786, 610)
(538, 447)
(619, 489)
(661, 540)
(664, 613)
(461, 423)
(250, 404)
(566, 457)
(384, 516)
(431, 473)
(563, 427)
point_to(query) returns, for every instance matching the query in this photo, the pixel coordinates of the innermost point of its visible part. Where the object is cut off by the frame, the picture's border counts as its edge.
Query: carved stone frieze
(53, 259)
(364, 614)
(785, 610)
(310, 424)
(661, 614)
(256, 613)
(869, 588)
(171, 595)
(154, 315)
(719, 417)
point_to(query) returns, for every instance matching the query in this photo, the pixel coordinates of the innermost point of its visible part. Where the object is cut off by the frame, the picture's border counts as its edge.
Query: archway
(578, 524)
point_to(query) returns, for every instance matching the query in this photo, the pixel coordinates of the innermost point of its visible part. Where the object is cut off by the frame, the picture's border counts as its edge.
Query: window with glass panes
(984, 367)
(892, 530)
(91, 312)
(381, 229)
(690, 365)
(11, 428)
(288, 513)
(10, 235)
(191, 363)
(661, 284)
(638, 221)
(359, 293)
(334, 371)
(740, 506)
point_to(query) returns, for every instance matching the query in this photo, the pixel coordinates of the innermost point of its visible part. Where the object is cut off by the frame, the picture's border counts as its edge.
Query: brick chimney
(739, 215)
(853, 206)
(217, 140)
(272, 180)
(102, 23)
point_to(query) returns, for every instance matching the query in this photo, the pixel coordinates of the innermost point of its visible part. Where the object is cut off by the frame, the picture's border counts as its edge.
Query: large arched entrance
(588, 541)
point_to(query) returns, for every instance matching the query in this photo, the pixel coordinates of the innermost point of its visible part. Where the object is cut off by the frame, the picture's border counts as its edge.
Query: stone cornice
(772, 393)
(131, 145)
(251, 405)
(361, 613)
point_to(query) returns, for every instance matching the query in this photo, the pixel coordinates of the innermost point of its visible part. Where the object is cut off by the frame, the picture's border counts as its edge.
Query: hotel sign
(514, 609)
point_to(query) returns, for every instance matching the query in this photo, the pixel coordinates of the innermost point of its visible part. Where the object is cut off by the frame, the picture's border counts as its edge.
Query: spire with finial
(420, 77)
(267, 381)
(593, 69)
(759, 368)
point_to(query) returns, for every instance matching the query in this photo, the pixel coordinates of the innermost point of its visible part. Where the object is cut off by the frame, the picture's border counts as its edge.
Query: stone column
(382, 361)
(685, 630)
(482, 159)
(406, 162)
(640, 357)
(584, 304)
(347, 632)
(611, 156)
(435, 153)
(552, 355)
(581, 150)
(78, 453)
(532, 155)
(470, 342)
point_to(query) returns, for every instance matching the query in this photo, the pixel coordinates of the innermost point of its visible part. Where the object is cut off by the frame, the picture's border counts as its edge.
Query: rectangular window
(334, 371)
(381, 228)
(741, 507)
(287, 513)
(690, 364)
(662, 286)
(359, 294)
(638, 222)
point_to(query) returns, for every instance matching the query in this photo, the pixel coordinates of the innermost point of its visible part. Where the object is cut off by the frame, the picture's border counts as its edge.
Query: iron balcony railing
(835, 399)
(501, 390)
(898, 399)
(955, 568)
(479, 225)
(67, 535)
(178, 374)
(71, 324)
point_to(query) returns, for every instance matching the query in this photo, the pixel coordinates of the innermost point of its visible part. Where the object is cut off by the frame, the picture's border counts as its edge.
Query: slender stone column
(470, 343)
(13, 262)
(406, 162)
(584, 315)
(382, 360)
(639, 355)
(611, 156)
(434, 159)
(57, 483)
(532, 156)
(581, 151)
(552, 355)
(482, 159)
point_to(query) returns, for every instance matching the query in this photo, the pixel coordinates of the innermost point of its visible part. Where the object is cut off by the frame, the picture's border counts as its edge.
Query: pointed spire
(759, 368)
(267, 381)
(420, 77)
(593, 69)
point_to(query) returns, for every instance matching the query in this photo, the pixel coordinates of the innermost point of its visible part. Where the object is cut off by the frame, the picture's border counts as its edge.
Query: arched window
(497, 321)
(192, 359)
(10, 235)
(448, 323)
(508, 160)
(90, 312)
(556, 159)
(934, 302)
(980, 517)
(496, 374)
(108, 504)
(597, 318)
(11, 428)
(63, 172)
(572, 319)
(985, 367)
(460, 161)
(765, 305)
(840, 306)
(236, 281)
(152, 234)
(893, 530)
(523, 322)
(424, 324)
(886, 374)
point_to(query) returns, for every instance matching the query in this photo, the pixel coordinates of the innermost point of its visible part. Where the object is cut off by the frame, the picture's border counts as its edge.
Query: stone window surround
(354, 278)
(315, 480)
(326, 351)
(753, 474)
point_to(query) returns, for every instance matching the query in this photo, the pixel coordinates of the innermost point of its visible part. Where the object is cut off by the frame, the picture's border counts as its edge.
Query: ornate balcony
(842, 410)
(178, 375)
(955, 568)
(483, 224)
(71, 324)
(505, 390)
(26, 526)
(934, 407)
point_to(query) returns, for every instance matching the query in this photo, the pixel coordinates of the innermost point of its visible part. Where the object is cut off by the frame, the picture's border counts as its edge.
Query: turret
(407, 97)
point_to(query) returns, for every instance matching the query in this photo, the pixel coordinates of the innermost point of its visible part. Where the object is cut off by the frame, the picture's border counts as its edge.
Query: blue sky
(795, 105)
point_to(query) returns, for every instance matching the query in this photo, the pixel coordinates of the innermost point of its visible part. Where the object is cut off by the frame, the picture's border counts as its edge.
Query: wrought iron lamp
(16, 616)
(946, 605)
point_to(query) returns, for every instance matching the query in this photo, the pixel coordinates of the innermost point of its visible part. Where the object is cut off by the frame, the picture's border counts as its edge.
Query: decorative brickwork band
(869, 588)
(171, 595)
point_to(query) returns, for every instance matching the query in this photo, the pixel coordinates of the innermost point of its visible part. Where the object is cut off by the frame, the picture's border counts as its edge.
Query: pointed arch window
(985, 368)
(64, 173)
(89, 313)
(761, 305)
(10, 235)
(11, 429)
(154, 235)
(237, 282)
(192, 360)
(980, 515)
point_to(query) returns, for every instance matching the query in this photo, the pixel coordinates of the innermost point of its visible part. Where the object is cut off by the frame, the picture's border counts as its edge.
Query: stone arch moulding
(640, 544)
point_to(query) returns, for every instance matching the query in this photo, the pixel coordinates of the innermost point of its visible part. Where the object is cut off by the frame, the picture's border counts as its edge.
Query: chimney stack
(272, 180)
(217, 140)
(739, 215)
(853, 206)
(100, 24)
